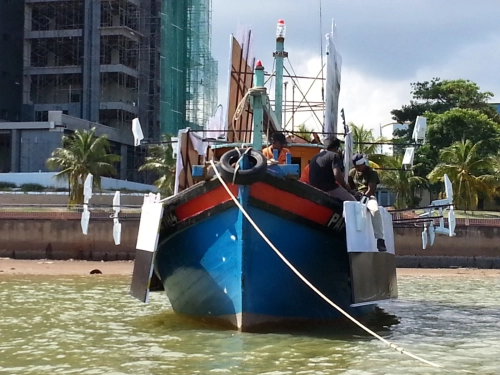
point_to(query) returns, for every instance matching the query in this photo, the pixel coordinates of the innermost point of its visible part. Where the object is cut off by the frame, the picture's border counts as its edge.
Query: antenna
(321, 52)
(346, 127)
(348, 147)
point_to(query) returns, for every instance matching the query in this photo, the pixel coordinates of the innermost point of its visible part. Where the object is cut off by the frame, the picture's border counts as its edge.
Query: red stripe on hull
(205, 202)
(292, 203)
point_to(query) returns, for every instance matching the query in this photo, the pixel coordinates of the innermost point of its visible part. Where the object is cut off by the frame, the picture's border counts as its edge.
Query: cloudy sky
(385, 45)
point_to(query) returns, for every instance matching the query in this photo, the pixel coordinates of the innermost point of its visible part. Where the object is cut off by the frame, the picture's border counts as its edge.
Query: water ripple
(82, 325)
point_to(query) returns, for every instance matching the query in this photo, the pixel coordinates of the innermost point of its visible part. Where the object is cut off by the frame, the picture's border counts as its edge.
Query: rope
(388, 343)
(238, 161)
(241, 104)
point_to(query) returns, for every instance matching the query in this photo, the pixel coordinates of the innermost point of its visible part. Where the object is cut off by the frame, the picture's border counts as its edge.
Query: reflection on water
(90, 325)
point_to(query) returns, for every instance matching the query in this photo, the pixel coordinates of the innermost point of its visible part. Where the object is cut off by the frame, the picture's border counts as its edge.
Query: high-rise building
(96, 63)
(11, 57)
(11, 71)
(91, 59)
(188, 70)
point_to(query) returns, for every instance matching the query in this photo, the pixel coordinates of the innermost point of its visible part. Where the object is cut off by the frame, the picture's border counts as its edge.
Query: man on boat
(364, 180)
(278, 142)
(326, 171)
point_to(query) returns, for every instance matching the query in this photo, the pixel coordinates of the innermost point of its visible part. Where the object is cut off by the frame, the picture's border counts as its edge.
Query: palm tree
(400, 181)
(82, 153)
(161, 161)
(467, 171)
(366, 143)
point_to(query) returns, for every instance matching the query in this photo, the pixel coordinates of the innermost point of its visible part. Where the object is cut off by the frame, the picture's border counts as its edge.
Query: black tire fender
(255, 173)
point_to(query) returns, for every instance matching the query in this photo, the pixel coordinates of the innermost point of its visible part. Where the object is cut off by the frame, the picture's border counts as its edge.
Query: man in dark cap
(326, 171)
(364, 180)
(278, 142)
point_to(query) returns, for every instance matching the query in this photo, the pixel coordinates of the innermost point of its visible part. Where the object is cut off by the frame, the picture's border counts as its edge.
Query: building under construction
(96, 63)
(189, 84)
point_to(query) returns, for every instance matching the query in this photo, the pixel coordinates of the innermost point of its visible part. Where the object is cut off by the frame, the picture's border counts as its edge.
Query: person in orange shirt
(278, 142)
(304, 177)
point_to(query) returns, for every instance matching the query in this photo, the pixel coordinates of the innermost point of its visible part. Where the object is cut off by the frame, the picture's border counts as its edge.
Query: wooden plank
(238, 87)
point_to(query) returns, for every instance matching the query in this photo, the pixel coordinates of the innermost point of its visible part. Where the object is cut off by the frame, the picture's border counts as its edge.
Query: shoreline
(10, 266)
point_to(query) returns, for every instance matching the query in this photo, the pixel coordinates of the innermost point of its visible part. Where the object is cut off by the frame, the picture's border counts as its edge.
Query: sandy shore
(464, 272)
(63, 267)
(60, 267)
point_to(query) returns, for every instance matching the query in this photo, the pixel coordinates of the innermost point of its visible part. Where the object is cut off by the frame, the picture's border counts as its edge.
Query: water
(90, 325)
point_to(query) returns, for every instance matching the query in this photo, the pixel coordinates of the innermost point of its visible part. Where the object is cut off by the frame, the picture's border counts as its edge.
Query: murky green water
(90, 325)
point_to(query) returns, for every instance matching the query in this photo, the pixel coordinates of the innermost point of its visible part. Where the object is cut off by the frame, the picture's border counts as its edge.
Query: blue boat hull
(219, 268)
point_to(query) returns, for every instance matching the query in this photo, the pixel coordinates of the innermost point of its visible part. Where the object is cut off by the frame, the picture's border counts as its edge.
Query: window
(74, 98)
(6, 37)
(41, 116)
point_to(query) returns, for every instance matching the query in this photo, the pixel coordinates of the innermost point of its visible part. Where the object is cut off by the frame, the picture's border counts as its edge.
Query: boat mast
(256, 100)
(258, 93)
(279, 55)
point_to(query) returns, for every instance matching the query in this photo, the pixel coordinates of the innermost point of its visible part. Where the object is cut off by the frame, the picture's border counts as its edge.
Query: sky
(385, 45)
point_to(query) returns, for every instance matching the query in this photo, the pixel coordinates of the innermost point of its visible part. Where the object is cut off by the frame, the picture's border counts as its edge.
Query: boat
(243, 243)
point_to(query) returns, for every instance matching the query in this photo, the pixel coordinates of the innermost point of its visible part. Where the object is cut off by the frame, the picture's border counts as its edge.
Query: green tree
(468, 173)
(82, 153)
(439, 97)
(303, 132)
(160, 160)
(364, 141)
(457, 124)
(403, 183)
(455, 110)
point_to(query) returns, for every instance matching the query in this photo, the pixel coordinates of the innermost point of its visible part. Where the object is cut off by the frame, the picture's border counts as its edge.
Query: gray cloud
(391, 38)
(397, 41)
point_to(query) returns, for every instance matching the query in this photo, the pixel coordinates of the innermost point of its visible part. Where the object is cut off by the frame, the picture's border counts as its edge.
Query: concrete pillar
(92, 61)
(123, 163)
(15, 142)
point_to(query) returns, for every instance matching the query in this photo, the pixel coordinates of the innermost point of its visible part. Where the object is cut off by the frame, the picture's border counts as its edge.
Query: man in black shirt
(326, 171)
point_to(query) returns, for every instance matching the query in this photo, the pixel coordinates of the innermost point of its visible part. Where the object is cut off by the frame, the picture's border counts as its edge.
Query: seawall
(476, 246)
(58, 235)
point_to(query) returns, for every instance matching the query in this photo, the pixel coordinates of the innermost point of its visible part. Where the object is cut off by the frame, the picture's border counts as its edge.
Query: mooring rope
(317, 291)
(241, 104)
(241, 156)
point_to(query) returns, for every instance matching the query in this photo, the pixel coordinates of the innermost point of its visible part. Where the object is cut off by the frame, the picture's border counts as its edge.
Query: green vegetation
(303, 132)
(364, 141)
(83, 153)
(402, 182)
(462, 140)
(468, 172)
(7, 186)
(32, 187)
(160, 160)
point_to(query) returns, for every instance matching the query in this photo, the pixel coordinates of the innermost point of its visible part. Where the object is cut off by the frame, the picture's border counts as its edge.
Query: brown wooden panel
(241, 81)
(189, 157)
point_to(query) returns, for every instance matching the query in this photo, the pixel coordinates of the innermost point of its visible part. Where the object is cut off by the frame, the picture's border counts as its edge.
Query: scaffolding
(94, 59)
(188, 70)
